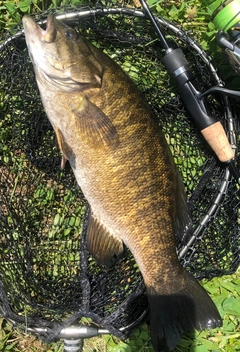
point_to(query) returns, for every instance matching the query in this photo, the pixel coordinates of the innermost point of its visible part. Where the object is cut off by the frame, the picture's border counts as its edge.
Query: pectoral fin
(64, 147)
(94, 124)
(103, 245)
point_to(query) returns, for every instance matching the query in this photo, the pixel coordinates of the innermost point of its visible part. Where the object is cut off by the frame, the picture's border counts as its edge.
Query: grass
(194, 15)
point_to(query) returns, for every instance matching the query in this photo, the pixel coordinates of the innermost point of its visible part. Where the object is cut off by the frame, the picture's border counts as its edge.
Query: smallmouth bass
(125, 169)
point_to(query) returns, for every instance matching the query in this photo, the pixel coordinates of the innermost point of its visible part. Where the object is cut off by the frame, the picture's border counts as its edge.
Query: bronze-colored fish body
(124, 167)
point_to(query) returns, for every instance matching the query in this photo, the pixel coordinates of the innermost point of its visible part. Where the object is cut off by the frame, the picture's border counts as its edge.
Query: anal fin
(101, 243)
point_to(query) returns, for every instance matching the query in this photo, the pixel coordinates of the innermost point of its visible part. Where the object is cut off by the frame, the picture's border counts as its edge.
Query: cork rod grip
(217, 139)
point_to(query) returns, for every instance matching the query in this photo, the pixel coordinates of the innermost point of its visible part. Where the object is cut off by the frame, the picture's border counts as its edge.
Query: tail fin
(188, 309)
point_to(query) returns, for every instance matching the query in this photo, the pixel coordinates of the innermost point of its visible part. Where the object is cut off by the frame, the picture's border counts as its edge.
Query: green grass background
(194, 16)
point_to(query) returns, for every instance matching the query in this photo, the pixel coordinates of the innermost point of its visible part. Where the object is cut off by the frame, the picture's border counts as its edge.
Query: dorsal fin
(183, 221)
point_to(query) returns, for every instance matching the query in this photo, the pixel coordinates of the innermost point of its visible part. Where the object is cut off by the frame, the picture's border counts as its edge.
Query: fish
(124, 167)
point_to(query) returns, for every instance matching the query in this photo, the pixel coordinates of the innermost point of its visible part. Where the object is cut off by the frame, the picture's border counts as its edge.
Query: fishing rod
(195, 100)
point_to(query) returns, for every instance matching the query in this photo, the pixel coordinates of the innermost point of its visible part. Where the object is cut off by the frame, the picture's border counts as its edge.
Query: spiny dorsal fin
(101, 243)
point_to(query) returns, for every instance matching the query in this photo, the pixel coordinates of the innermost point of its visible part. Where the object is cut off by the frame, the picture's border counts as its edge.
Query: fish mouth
(32, 28)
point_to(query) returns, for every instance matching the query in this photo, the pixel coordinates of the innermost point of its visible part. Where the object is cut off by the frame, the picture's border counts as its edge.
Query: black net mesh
(48, 278)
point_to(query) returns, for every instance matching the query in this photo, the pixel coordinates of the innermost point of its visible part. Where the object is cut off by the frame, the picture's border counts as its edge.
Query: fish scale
(123, 164)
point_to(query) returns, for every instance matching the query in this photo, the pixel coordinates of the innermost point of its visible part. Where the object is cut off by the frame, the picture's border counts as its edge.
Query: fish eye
(71, 34)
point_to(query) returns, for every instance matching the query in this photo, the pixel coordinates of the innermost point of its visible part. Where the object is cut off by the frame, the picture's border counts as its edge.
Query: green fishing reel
(226, 19)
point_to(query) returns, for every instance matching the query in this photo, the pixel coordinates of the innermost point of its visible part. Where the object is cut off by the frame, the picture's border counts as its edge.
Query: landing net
(48, 278)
